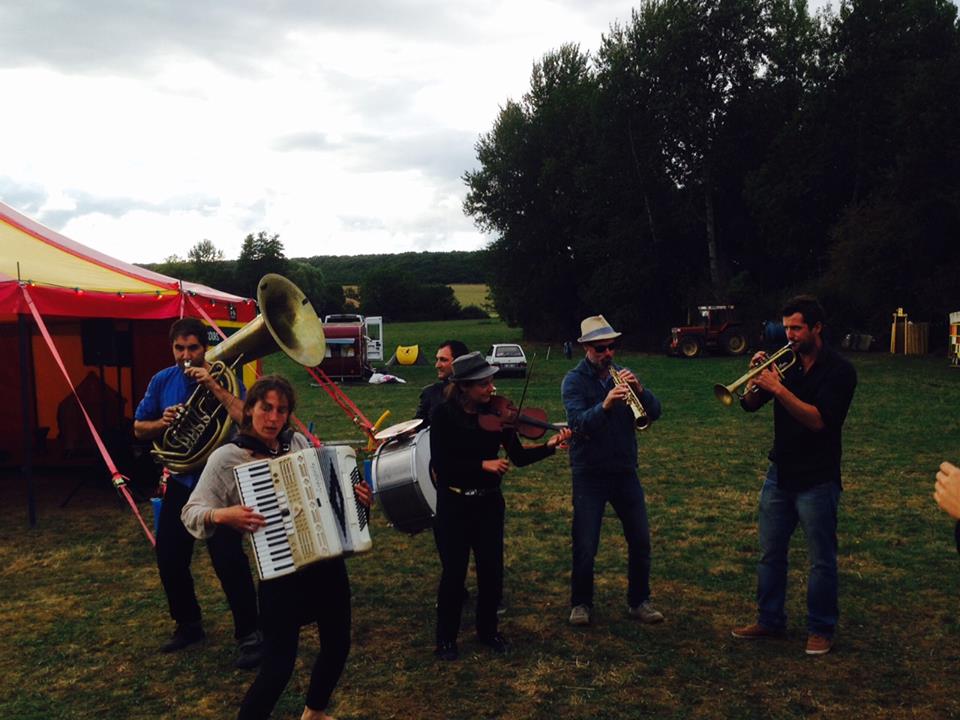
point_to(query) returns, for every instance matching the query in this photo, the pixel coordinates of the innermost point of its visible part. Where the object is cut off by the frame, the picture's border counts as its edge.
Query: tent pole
(26, 374)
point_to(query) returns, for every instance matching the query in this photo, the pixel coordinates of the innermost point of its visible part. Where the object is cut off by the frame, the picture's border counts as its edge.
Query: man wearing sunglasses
(603, 462)
(168, 390)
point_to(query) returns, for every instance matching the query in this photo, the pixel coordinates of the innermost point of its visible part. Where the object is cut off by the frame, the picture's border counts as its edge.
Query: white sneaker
(646, 613)
(580, 615)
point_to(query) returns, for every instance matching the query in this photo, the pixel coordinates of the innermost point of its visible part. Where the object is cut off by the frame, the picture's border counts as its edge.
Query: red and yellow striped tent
(107, 319)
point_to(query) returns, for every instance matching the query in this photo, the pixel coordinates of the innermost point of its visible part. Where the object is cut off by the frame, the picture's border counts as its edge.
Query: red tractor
(719, 331)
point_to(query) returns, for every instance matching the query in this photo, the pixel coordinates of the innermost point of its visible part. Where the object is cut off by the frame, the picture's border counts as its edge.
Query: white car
(509, 358)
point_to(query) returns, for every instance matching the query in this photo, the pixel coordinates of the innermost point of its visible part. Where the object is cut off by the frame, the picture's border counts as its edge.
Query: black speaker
(103, 344)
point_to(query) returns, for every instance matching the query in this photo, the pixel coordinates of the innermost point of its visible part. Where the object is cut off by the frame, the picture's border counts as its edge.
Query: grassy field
(83, 614)
(466, 294)
(471, 294)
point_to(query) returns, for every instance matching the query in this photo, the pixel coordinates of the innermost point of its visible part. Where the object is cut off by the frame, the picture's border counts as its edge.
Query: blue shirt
(170, 386)
(603, 440)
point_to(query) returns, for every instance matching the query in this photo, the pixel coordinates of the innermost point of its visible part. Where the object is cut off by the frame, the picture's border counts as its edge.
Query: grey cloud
(29, 199)
(443, 154)
(304, 141)
(383, 95)
(123, 37)
(357, 222)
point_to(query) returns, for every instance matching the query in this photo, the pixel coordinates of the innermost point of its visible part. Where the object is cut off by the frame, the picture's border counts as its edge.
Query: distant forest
(445, 268)
(400, 287)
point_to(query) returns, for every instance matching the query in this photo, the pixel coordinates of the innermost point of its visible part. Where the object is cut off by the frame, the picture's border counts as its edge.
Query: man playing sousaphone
(605, 406)
(168, 390)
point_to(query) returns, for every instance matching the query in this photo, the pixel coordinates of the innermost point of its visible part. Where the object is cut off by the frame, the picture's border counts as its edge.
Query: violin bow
(523, 395)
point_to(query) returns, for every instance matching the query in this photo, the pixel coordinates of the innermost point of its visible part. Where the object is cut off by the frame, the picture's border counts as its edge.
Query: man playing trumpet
(811, 398)
(604, 413)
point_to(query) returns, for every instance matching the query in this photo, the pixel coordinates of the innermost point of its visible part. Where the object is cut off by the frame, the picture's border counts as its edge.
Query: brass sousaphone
(287, 322)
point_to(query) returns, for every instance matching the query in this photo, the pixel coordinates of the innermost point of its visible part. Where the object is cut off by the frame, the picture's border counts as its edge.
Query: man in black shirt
(432, 395)
(803, 485)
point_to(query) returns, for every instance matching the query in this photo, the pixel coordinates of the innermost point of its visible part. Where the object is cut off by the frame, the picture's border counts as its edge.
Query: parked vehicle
(719, 331)
(509, 357)
(353, 343)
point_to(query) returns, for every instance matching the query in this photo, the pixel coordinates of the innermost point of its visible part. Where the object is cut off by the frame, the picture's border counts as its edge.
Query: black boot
(250, 652)
(185, 634)
(446, 650)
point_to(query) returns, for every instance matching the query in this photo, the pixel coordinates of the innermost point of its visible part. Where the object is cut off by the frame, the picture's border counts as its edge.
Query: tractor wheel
(734, 343)
(690, 347)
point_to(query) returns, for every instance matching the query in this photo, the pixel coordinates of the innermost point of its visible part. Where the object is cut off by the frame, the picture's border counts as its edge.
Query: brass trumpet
(640, 417)
(781, 361)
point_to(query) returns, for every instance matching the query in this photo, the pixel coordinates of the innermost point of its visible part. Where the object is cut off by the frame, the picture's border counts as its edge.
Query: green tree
(326, 298)
(401, 298)
(536, 189)
(204, 252)
(259, 255)
(704, 57)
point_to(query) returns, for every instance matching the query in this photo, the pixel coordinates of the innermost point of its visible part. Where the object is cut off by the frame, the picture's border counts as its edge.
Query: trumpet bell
(724, 394)
(782, 360)
(287, 322)
(300, 334)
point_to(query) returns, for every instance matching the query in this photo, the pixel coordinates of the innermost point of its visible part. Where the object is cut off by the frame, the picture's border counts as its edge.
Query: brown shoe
(755, 631)
(818, 644)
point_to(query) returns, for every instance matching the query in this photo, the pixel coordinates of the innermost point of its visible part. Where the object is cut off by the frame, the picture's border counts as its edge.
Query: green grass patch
(83, 613)
(471, 294)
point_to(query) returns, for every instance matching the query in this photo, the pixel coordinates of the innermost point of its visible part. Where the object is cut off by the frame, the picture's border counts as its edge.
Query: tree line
(399, 287)
(730, 151)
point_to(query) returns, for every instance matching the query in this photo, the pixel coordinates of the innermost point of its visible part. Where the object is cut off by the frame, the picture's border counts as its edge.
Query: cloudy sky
(140, 128)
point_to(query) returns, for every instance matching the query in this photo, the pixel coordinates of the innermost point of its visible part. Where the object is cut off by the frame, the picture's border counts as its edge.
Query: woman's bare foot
(309, 714)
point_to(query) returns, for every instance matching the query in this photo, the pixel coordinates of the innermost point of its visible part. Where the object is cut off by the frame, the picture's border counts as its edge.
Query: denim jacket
(602, 440)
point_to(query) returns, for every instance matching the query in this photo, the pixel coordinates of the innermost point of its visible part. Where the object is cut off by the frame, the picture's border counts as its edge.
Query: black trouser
(174, 552)
(467, 523)
(320, 593)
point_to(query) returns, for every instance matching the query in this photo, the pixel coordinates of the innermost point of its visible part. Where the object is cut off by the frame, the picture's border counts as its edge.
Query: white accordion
(308, 501)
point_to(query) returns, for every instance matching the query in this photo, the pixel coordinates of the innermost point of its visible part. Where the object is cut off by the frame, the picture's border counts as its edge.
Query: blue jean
(816, 511)
(591, 493)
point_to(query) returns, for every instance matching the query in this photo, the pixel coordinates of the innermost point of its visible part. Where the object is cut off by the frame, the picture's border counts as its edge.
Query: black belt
(473, 492)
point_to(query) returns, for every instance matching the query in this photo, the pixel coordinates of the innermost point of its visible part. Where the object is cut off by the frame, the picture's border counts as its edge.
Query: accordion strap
(249, 442)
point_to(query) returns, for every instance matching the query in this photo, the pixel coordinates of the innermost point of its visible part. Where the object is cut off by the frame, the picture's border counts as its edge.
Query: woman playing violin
(470, 507)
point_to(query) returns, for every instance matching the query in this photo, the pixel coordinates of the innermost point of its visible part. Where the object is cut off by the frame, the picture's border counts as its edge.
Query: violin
(500, 413)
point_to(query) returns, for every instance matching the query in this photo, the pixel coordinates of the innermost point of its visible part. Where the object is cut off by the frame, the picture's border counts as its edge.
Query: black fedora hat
(472, 366)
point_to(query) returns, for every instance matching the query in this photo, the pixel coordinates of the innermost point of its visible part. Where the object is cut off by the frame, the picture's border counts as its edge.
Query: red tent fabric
(105, 317)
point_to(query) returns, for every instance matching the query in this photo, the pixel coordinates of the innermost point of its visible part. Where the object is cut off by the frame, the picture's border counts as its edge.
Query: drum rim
(398, 430)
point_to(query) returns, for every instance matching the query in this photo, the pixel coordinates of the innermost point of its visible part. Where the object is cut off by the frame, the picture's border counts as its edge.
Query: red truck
(353, 343)
(719, 331)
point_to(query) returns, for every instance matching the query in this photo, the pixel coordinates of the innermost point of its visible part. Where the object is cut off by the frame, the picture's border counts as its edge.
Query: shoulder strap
(249, 442)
